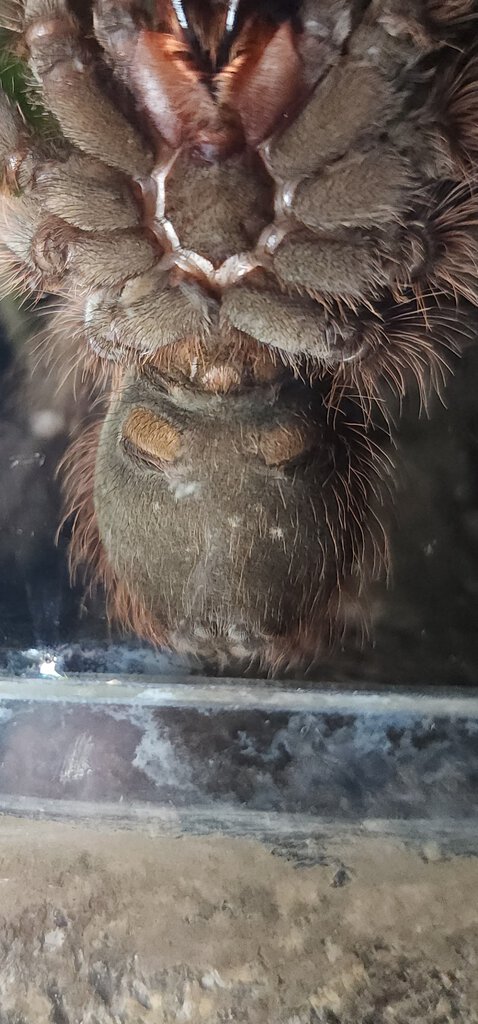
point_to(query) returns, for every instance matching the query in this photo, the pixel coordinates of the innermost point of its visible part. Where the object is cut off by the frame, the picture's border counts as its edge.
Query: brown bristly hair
(410, 342)
(456, 102)
(11, 15)
(446, 11)
(453, 231)
(87, 556)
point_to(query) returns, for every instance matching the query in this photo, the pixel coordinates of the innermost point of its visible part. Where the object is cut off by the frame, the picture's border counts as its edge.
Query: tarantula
(261, 221)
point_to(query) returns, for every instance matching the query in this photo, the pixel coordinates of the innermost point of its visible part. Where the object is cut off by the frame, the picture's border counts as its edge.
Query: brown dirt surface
(101, 925)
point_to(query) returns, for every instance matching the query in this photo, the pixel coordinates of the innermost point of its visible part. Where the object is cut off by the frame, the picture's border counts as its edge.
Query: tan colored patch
(221, 379)
(228, 364)
(152, 435)
(282, 443)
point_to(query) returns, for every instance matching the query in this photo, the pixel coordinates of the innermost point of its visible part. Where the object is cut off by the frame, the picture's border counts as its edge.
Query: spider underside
(261, 225)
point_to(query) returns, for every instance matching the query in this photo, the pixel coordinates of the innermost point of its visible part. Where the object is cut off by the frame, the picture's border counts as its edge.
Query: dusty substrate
(106, 926)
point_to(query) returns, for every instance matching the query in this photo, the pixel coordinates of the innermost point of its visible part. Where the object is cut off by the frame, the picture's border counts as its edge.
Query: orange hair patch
(152, 435)
(282, 443)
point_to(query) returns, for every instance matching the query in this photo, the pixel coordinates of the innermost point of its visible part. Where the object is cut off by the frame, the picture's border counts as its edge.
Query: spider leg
(363, 190)
(351, 99)
(375, 200)
(144, 316)
(117, 24)
(11, 15)
(16, 147)
(47, 217)
(297, 326)
(65, 69)
(104, 260)
(335, 172)
(87, 194)
(346, 266)
(22, 220)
